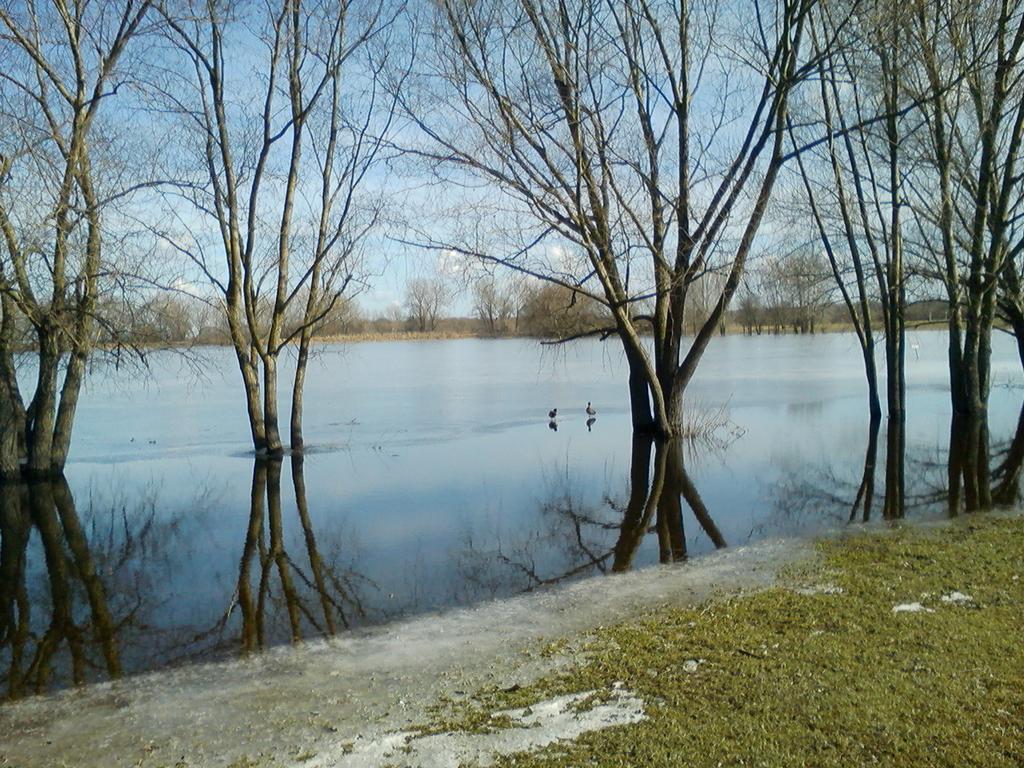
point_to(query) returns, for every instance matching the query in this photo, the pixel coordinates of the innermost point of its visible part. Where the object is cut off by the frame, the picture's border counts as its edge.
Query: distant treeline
(537, 310)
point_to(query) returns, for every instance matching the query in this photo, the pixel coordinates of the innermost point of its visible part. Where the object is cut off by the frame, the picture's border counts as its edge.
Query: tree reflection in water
(94, 602)
(662, 498)
(601, 537)
(972, 474)
(316, 595)
(79, 639)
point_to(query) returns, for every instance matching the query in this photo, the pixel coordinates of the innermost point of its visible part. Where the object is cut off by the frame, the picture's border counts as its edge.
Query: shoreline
(266, 709)
(336, 702)
(417, 336)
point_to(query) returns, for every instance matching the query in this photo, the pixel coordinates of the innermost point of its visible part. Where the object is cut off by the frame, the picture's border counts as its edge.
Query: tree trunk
(253, 401)
(296, 442)
(871, 374)
(10, 459)
(957, 377)
(639, 392)
(270, 419)
(968, 464)
(1012, 312)
(69, 392)
(895, 453)
(40, 435)
(1018, 334)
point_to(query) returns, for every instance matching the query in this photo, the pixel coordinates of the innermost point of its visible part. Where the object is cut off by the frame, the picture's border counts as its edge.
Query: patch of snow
(559, 719)
(820, 589)
(957, 597)
(911, 608)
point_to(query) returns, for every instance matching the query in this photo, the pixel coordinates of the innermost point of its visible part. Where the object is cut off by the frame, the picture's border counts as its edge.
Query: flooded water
(432, 479)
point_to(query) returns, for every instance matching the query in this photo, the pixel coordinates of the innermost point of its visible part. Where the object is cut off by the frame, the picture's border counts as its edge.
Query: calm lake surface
(433, 479)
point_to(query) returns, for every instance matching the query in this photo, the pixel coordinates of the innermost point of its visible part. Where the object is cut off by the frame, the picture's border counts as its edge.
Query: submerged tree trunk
(639, 394)
(682, 485)
(247, 366)
(968, 473)
(895, 457)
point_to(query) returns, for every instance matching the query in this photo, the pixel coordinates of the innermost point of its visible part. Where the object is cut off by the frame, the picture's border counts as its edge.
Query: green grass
(793, 679)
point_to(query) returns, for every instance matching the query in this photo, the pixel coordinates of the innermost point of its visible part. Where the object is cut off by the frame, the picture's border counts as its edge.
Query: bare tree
(280, 171)
(61, 68)
(494, 303)
(750, 312)
(806, 288)
(425, 300)
(629, 148)
(769, 283)
(967, 195)
(854, 184)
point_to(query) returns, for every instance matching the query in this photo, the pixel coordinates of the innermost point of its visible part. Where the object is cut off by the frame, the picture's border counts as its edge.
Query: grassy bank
(819, 670)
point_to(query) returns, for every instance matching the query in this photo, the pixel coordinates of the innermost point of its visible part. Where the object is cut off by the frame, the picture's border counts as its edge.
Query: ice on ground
(560, 719)
(957, 597)
(911, 608)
